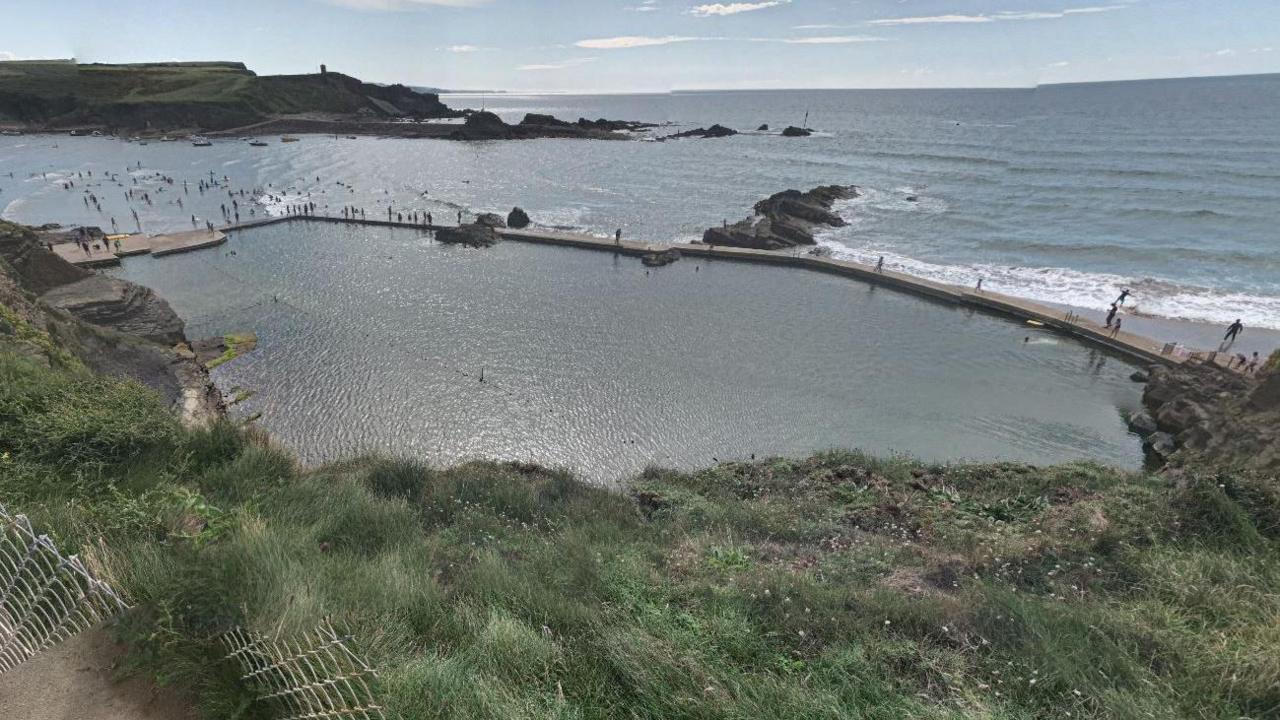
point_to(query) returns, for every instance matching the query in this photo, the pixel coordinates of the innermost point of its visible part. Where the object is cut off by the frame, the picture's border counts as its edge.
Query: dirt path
(75, 681)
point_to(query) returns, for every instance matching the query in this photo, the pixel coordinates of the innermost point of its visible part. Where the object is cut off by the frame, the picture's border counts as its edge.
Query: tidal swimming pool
(375, 340)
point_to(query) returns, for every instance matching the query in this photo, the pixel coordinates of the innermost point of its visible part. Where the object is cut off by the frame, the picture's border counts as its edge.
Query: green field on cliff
(210, 95)
(838, 586)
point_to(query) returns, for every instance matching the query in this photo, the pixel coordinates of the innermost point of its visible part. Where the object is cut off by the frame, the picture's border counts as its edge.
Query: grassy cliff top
(210, 95)
(838, 586)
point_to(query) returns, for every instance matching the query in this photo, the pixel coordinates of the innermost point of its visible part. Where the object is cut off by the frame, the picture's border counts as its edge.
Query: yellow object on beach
(1037, 323)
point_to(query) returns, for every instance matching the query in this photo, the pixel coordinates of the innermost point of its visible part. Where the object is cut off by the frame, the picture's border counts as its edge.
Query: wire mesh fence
(315, 676)
(45, 597)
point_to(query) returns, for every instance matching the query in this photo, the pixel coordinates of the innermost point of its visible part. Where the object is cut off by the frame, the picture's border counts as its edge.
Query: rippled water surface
(375, 339)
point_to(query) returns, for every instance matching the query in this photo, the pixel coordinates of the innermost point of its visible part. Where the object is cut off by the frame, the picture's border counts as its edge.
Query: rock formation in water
(763, 128)
(493, 220)
(488, 126)
(784, 220)
(517, 218)
(614, 125)
(1202, 410)
(660, 258)
(472, 235)
(793, 131)
(715, 131)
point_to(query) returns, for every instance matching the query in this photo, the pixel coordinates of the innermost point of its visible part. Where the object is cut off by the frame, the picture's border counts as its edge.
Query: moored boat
(200, 141)
(288, 138)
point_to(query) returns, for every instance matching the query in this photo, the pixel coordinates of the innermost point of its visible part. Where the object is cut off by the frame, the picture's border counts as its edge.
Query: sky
(664, 45)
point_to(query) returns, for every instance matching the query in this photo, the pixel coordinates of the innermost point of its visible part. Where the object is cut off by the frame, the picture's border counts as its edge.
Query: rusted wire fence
(315, 675)
(45, 597)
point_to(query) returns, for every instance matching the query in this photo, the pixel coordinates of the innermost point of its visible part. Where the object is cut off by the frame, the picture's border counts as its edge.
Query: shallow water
(375, 339)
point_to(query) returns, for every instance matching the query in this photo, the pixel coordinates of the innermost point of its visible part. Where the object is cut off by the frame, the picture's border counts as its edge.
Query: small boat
(199, 141)
(96, 133)
(165, 138)
(258, 143)
(246, 139)
(288, 138)
(75, 133)
(351, 137)
(142, 142)
(10, 132)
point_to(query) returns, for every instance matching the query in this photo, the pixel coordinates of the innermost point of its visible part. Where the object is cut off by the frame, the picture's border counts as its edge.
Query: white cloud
(931, 19)
(644, 6)
(463, 48)
(1059, 64)
(563, 64)
(1006, 15)
(821, 27)
(734, 8)
(403, 4)
(6, 55)
(1225, 52)
(634, 41)
(830, 40)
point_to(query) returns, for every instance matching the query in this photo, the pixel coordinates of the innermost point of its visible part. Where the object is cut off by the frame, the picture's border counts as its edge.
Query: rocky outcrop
(45, 331)
(488, 126)
(493, 220)
(715, 131)
(1205, 411)
(119, 305)
(784, 220)
(793, 131)
(763, 128)
(517, 218)
(603, 125)
(660, 258)
(472, 235)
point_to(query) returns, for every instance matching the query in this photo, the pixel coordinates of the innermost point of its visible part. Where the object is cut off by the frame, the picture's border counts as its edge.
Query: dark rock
(1142, 424)
(763, 128)
(120, 305)
(484, 126)
(715, 131)
(517, 218)
(1139, 377)
(784, 220)
(793, 131)
(473, 235)
(913, 198)
(544, 120)
(603, 125)
(1160, 444)
(658, 259)
(493, 220)
(1176, 416)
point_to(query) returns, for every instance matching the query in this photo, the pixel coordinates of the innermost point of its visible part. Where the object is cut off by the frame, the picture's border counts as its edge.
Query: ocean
(374, 339)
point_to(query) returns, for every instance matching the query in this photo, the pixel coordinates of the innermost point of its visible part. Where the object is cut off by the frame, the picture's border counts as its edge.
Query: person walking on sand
(1111, 315)
(1233, 330)
(880, 264)
(1124, 294)
(979, 287)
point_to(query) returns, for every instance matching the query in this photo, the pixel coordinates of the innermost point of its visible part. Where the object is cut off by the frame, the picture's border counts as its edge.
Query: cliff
(65, 317)
(48, 95)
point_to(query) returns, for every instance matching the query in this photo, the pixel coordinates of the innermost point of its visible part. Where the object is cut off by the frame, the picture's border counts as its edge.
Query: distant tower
(323, 69)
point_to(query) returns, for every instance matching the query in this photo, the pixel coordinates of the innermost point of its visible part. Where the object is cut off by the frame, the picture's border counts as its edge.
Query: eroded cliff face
(1205, 411)
(61, 315)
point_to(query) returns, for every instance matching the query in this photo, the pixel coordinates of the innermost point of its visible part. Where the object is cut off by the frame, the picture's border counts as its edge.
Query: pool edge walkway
(1135, 346)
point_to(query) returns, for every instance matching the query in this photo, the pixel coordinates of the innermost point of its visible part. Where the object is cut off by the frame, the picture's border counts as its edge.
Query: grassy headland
(840, 586)
(204, 95)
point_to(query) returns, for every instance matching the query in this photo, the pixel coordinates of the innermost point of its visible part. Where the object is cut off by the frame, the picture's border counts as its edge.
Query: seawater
(377, 339)
(1064, 194)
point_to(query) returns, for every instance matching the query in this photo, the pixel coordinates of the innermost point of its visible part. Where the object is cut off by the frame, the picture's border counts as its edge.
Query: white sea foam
(1085, 290)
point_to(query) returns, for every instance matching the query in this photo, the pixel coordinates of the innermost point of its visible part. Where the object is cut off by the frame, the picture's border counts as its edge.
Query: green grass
(838, 586)
(212, 95)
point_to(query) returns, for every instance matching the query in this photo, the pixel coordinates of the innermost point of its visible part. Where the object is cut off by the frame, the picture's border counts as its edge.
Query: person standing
(429, 222)
(1233, 330)
(459, 217)
(979, 287)
(880, 264)
(1111, 315)
(617, 237)
(1253, 364)
(1115, 329)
